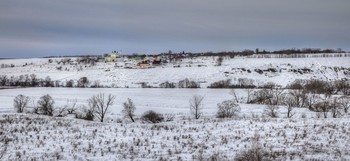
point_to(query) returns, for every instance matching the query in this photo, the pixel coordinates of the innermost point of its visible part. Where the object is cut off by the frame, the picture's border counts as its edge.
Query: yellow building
(112, 57)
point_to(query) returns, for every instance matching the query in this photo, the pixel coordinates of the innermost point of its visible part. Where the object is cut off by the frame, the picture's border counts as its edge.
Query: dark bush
(259, 71)
(153, 117)
(83, 82)
(221, 84)
(69, 83)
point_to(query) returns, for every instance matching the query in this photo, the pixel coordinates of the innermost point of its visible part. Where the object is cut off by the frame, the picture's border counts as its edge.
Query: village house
(112, 57)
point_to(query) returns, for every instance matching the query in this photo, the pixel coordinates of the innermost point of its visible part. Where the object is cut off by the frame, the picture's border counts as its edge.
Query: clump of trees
(33, 81)
(45, 105)
(186, 83)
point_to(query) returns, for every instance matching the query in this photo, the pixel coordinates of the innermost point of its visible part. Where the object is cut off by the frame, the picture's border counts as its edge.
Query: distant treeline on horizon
(245, 52)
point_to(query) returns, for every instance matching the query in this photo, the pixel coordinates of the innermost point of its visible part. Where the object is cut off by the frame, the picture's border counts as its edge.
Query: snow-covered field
(45, 138)
(163, 100)
(305, 136)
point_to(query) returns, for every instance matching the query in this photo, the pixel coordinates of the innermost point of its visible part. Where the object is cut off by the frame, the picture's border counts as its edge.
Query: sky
(39, 28)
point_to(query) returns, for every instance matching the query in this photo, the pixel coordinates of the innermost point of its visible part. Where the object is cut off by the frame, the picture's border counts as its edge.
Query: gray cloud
(40, 28)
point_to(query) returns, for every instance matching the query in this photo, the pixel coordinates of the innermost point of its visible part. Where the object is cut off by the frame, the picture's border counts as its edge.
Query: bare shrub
(153, 117)
(169, 117)
(61, 112)
(271, 110)
(312, 99)
(85, 113)
(263, 96)
(344, 102)
(20, 102)
(129, 109)
(45, 105)
(196, 106)
(228, 109)
(335, 108)
(100, 105)
(343, 86)
(323, 106)
(219, 61)
(71, 106)
(255, 153)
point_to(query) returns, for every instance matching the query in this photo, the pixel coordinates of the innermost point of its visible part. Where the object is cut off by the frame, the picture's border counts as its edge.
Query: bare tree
(272, 110)
(234, 94)
(311, 100)
(196, 106)
(227, 108)
(289, 102)
(277, 93)
(129, 109)
(323, 106)
(45, 105)
(20, 102)
(3, 80)
(249, 93)
(299, 96)
(100, 105)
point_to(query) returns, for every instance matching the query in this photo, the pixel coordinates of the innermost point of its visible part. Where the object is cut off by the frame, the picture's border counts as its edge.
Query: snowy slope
(201, 69)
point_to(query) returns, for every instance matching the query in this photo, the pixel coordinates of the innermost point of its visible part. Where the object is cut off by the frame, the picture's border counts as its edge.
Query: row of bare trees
(98, 106)
(275, 97)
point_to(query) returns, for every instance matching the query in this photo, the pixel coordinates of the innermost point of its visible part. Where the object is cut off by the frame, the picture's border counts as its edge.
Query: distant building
(112, 57)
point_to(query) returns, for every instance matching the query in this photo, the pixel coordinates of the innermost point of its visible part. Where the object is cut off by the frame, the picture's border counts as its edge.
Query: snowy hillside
(204, 70)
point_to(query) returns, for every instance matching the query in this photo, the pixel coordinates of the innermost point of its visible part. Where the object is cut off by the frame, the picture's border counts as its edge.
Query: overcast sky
(39, 28)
